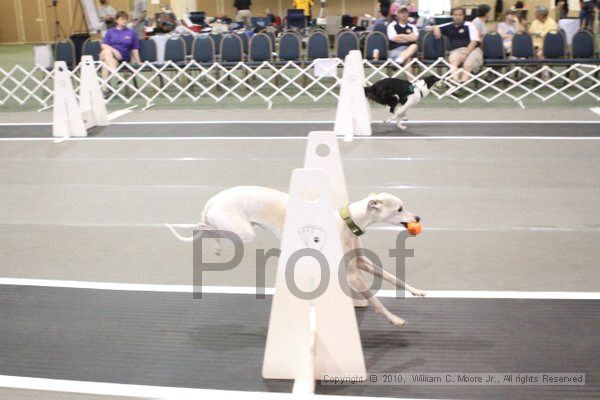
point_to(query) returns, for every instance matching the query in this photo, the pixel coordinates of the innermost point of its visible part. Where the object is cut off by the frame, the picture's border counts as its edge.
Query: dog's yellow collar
(345, 214)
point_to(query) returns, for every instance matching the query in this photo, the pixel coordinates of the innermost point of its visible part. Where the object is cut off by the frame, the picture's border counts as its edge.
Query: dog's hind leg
(357, 283)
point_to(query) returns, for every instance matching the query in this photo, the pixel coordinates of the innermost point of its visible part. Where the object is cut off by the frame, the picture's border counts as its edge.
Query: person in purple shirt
(121, 44)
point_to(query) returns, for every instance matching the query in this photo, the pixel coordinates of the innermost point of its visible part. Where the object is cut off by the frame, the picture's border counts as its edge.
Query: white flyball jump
(353, 115)
(312, 337)
(71, 118)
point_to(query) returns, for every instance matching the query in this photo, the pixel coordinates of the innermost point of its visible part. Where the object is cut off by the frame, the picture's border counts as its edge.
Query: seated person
(464, 42)
(481, 20)
(121, 44)
(402, 37)
(508, 28)
(540, 27)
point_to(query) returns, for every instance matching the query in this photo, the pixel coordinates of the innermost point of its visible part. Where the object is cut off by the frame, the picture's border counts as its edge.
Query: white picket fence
(292, 81)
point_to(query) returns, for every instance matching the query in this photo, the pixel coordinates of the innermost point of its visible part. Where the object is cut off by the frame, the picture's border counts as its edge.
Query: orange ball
(414, 228)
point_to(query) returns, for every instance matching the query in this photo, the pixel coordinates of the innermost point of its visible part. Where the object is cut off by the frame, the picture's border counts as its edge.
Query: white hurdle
(67, 121)
(353, 115)
(91, 102)
(70, 118)
(310, 338)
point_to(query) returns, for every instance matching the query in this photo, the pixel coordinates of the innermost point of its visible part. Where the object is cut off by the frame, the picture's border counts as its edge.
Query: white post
(66, 118)
(310, 229)
(353, 115)
(323, 152)
(91, 102)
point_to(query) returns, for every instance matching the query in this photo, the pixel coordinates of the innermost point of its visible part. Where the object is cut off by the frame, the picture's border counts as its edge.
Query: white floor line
(142, 287)
(595, 110)
(279, 138)
(158, 225)
(153, 392)
(272, 122)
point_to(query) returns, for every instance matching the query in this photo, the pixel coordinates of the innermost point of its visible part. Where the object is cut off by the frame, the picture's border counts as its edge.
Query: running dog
(400, 95)
(241, 208)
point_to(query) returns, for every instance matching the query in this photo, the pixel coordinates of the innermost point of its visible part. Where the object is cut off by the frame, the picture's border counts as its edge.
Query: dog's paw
(396, 321)
(400, 126)
(419, 293)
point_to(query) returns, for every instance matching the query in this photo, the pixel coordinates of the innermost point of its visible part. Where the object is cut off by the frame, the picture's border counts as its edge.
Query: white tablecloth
(161, 44)
(570, 26)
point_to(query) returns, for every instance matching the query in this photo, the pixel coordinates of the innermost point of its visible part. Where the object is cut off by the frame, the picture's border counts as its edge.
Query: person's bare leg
(407, 56)
(455, 60)
(110, 61)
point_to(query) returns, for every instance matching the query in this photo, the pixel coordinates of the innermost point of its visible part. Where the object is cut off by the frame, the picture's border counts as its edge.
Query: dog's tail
(200, 229)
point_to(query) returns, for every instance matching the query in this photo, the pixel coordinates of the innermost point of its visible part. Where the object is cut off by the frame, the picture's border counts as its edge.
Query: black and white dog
(400, 95)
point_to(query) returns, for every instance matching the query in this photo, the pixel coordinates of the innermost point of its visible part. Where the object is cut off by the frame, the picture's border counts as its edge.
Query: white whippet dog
(240, 208)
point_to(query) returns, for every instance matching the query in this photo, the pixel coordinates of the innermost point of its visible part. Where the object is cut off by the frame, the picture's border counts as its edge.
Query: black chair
(232, 49)
(217, 39)
(380, 27)
(198, 17)
(295, 19)
(189, 43)
(203, 50)
(345, 42)
(148, 51)
(65, 51)
(420, 42)
(175, 50)
(260, 48)
(583, 45)
(522, 45)
(317, 46)
(376, 41)
(290, 48)
(555, 45)
(245, 41)
(91, 48)
(492, 47)
(433, 48)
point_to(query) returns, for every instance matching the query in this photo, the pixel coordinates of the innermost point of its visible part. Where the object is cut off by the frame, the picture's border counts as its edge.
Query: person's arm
(472, 46)
(135, 50)
(135, 56)
(404, 37)
(474, 37)
(440, 30)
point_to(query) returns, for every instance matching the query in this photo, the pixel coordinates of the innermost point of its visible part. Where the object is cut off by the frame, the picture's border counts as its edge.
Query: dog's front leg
(401, 118)
(357, 283)
(366, 265)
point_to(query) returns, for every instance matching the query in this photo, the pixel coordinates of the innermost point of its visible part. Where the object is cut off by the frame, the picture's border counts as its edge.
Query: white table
(161, 44)
(570, 26)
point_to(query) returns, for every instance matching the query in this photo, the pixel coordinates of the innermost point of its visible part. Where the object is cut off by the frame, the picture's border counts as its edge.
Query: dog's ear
(375, 205)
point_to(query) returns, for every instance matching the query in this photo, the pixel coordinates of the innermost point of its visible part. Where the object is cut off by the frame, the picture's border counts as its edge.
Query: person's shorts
(474, 59)
(393, 54)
